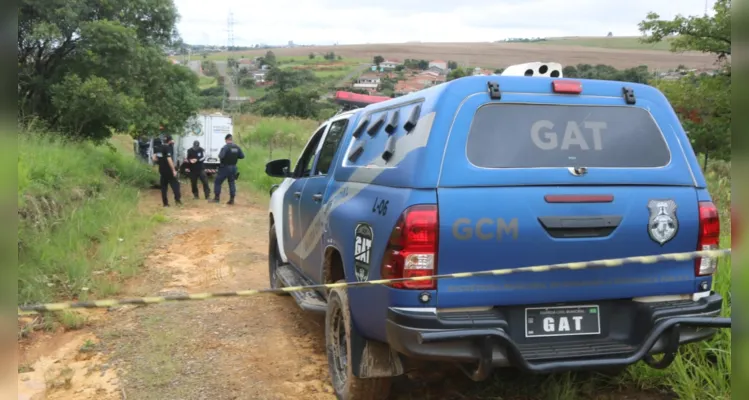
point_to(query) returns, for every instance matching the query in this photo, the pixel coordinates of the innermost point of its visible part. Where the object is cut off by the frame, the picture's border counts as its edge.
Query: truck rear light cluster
(412, 248)
(709, 236)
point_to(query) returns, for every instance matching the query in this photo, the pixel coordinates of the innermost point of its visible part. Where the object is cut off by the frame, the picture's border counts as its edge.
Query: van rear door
(545, 179)
(219, 127)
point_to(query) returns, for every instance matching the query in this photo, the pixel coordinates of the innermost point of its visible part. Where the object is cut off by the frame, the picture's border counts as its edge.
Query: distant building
(367, 81)
(389, 65)
(259, 76)
(438, 64)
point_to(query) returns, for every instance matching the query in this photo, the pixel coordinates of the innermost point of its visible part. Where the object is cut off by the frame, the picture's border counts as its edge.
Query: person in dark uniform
(227, 169)
(195, 158)
(143, 148)
(163, 157)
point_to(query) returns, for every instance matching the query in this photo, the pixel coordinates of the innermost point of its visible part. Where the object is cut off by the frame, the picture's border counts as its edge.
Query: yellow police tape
(615, 262)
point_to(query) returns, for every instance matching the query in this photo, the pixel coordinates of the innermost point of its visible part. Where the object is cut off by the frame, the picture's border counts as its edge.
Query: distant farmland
(621, 43)
(624, 52)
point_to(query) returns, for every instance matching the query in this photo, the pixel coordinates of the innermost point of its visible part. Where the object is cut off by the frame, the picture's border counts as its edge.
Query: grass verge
(80, 231)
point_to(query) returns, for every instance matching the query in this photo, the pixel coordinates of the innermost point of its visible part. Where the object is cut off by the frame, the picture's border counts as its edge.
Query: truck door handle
(297, 195)
(317, 197)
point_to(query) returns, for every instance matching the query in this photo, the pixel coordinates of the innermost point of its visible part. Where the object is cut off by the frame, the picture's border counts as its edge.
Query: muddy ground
(261, 347)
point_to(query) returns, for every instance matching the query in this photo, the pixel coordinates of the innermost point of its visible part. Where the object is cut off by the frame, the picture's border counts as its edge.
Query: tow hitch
(486, 338)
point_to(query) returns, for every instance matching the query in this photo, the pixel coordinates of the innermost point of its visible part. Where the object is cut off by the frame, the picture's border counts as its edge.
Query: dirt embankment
(259, 347)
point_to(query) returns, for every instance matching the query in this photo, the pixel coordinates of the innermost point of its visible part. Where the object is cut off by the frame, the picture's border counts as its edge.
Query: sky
(325, 22)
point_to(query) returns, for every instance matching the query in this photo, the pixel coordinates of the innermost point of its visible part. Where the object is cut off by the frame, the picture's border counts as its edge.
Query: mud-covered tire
(274, 260)
(337, 338)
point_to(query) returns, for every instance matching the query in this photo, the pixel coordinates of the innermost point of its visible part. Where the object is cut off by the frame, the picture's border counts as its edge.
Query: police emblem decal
(363, 237)
(662, 224)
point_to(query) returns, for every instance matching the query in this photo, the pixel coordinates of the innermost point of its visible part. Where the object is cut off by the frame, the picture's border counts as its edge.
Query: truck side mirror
(278, 168)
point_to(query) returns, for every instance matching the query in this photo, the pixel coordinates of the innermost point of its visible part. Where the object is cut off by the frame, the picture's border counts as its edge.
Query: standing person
(196, 156)
(143, 148)
(227, 169)
(163, 156)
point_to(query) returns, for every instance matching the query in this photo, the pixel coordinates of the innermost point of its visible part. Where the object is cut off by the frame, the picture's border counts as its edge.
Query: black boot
(231, 200)
(216, 199)
(195, 197)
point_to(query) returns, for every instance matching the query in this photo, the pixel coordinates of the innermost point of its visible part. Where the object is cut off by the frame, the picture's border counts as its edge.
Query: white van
(210, 130)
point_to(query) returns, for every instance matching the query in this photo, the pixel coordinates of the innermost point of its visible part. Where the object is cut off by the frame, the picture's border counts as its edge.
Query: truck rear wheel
(338, 345)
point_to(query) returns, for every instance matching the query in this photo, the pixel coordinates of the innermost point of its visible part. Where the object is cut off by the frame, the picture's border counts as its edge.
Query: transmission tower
(230, 30)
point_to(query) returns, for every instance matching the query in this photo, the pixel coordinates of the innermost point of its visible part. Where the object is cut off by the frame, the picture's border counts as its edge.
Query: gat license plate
(562, 321)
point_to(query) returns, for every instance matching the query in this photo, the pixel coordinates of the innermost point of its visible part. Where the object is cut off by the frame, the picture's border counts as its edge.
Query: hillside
(617, 52)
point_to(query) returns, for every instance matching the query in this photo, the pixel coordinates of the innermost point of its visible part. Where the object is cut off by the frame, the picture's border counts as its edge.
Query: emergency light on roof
(543, 69)
(566, 86)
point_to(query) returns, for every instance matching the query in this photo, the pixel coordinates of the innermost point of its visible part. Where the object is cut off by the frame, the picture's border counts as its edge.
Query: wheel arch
(333, 268)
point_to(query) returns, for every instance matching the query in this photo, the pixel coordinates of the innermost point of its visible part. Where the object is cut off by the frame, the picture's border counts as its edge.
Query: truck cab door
(293, 229)
(314, 196)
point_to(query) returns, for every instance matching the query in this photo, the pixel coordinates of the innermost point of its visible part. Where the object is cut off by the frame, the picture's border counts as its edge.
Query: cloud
(396, 21)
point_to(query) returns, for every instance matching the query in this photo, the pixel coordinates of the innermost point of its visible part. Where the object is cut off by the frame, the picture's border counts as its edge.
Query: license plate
(562, 321)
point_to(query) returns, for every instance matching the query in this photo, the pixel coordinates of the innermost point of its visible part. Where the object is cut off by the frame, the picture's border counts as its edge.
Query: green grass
(80, 231)
(255, 93)
(265, 139)
(623, 43)
(206, 82)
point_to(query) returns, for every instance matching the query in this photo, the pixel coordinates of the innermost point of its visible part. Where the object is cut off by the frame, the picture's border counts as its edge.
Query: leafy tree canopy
(88, 67)
(709, 34)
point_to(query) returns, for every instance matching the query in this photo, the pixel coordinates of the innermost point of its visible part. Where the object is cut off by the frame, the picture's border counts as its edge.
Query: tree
(378, 60)
(247, 83)
(703, 103)
(270, 59)
(287, 79)
(329, 56)
(311, 56)
(452, 64)
(88, 67)
(457, 73)
(706, 34)
(704, 107)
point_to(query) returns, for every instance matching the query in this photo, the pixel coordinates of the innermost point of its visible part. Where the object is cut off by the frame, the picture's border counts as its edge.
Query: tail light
(709, 235)
(412, 248)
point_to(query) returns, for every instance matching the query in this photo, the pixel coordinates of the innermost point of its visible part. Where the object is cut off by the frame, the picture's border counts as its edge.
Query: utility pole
(229, 46)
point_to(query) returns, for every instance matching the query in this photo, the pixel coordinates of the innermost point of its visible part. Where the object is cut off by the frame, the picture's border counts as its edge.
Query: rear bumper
(631, 332)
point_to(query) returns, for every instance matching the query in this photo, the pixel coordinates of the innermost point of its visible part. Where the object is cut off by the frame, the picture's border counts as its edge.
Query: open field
(626, 54)
(622, 42)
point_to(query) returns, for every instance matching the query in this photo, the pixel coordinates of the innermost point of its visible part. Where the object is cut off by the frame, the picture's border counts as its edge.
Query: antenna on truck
(538, 68)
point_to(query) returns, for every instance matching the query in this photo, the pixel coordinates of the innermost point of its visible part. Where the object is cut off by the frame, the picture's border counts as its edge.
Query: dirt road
(261, 347)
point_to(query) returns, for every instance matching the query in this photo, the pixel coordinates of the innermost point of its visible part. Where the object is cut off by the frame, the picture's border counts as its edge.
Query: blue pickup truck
(492, 172)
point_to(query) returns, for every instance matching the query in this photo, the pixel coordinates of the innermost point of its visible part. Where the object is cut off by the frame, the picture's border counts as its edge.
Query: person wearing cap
(227, 169)
(163, 157)
(195, 158)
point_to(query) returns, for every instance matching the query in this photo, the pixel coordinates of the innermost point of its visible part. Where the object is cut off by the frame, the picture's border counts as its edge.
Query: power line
(230, 30)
